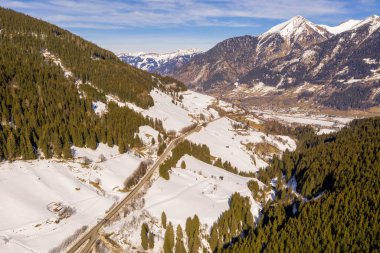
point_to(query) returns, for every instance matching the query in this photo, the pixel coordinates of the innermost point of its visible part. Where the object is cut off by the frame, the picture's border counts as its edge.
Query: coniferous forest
(42, 111)
(337, 177)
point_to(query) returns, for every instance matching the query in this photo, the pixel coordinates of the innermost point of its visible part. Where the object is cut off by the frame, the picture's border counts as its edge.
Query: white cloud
(156, 13)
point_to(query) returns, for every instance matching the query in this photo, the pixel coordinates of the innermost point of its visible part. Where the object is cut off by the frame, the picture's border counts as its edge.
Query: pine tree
(151, 240)
(183, 165)
(144, 236)
(66, 151)
(192, 232)
(163, 220)
(179, 245)
(11, 146)
(214, 238)
(169, 239)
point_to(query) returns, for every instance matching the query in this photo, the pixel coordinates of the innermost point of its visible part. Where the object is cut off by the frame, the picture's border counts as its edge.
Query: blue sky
(167, 25)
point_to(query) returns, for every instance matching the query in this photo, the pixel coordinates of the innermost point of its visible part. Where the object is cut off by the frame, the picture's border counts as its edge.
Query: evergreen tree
(151, 240)
(183, 165)
(169, 239)
(66, 151)
(214, 238)
(163, 219)
(11, 146)
(179, 245)
(254, 187)
(144, 236)
(192, 232)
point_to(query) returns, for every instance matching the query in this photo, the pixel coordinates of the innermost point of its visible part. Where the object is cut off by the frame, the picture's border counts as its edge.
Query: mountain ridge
(296, 59)
(162, 63)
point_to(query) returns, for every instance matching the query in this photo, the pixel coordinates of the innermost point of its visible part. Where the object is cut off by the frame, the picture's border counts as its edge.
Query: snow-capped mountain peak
(180, 52)
(294, 27)
(161, 63)
(373, 21)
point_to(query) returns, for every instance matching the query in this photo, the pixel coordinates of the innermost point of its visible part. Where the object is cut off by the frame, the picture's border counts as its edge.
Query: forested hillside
(44, 111)
(336, 208)
(27, 37)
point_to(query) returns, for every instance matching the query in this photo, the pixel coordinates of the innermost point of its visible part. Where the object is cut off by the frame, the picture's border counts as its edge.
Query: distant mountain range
(164, 64)
(296, 60)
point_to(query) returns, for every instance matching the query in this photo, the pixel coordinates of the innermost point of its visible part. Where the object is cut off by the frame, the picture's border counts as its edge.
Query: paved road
(85, 243)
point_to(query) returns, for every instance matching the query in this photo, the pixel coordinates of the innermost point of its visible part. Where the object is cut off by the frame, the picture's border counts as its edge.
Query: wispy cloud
(166, 25)
(157, 13)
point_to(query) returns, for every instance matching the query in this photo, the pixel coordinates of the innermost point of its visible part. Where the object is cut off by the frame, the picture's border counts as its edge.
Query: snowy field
(45, 201)
(323, 123)
(200, 189)
(231, 145)
(304, 119)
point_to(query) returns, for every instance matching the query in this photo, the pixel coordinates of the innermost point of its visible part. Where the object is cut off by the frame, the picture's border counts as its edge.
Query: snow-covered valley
(46, 201)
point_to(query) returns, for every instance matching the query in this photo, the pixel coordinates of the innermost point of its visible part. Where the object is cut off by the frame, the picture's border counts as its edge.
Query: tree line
(199, 151)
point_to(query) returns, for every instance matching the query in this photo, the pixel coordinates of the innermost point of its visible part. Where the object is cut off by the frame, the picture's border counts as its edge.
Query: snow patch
(57, 61)
(99, 107)
(147, 133)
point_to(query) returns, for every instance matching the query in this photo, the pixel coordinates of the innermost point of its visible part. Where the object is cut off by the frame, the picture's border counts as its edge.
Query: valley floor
(46, 201)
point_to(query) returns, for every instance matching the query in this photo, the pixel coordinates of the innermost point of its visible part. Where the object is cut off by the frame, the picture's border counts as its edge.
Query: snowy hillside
(46, 201)
(199, 189)
(238, 145)
(177, 114)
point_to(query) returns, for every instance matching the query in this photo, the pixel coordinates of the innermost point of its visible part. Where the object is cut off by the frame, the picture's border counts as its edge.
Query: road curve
(85, 243)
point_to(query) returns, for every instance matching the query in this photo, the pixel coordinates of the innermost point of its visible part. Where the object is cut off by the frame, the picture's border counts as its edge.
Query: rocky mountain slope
(331, 66)
(159, 63)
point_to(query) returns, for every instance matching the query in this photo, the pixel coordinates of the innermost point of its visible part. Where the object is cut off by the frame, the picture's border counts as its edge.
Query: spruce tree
(179, 245)
(214, 239)
(163, 220)
(11, 146)
(66, 151)
(192, 232)
(169, 239)
(151, 240)
(144, 236)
